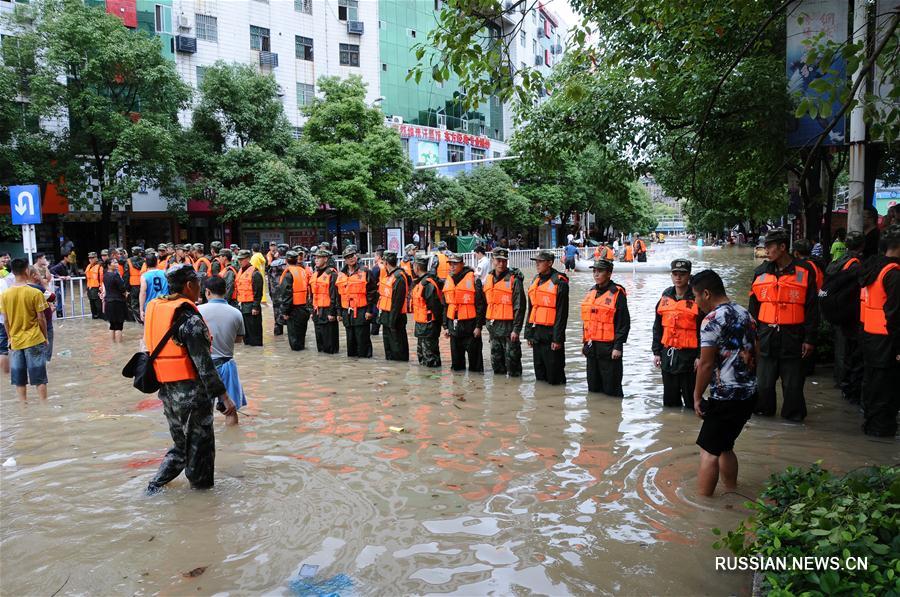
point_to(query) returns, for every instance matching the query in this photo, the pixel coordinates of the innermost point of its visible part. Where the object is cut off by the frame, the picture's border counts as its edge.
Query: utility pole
(857, 198)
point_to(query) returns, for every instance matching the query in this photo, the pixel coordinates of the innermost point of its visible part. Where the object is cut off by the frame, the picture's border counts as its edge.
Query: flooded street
(492, 486)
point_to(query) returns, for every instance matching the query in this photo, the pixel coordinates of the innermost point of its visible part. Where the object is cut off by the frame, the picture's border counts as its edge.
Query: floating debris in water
(195, 572)
(328, 587)
(396, 429)
(10, 462)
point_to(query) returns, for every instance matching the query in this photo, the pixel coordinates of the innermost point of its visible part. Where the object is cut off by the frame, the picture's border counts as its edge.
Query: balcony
(355, 27)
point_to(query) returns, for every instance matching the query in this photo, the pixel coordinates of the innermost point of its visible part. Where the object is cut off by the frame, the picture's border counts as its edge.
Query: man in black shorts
(727, 367)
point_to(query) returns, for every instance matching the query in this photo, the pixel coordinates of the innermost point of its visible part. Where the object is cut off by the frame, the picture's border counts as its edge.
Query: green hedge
(814, 513)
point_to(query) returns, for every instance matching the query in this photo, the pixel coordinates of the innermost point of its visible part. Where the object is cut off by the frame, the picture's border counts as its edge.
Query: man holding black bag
(189, 382)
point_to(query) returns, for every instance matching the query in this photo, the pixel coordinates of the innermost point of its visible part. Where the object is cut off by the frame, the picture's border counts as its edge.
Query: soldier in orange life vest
(228, 272)
(606, 323)
(880, 317)
(676, 337)
(325, 304)
(783, 301)
(504, 292)
(358, 291)
(427, 304)
(134, 267)
(628, 257)
(546, 319)
(249, 287)
(406, 263)
(162, 256)
(440, 266)
(189, 382)
(640, 248)
(294, 300)
(378, 272)
(104, 259)
(803, 253)
(202, 265)
(464, 316)
(393, 290)
(848, 363)
(93, 274)
(214, 248)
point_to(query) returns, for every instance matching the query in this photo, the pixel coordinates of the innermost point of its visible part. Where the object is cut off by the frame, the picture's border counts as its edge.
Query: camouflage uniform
(506, 355)
(357, 327)
(275, 269)
(136, 263)
(327, 338)
(393, 322)
(549, 364)
(296, 317)
(428, 335)
(188, 406)
(463, 343)
(253, 323)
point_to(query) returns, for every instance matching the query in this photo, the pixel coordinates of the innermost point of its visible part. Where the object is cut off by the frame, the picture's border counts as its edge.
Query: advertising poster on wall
(395, 240)
(428, 154)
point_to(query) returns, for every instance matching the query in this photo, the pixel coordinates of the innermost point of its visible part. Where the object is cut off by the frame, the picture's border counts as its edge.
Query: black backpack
(839, 297)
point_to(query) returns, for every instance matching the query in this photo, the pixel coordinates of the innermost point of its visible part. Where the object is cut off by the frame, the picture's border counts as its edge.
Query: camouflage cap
(283, 247)
(136, 250)
(351, 250)
(441, 245)
(778, 235)
(603, 264)
(104, 252)
(198, 246)
(891, 234)
(323, 253)
(454, 258)
(410, 247)
(92, 254)
(423, 260)
(500, 253)
(387, 254)
(298, 249)
(234, 247)
(855, 240)
(161, 247)
(544, 255)
(170, 245)
(243, 254)
(216, 244)
(681, 265)
(291, 254)
(226, 253)
(803, 246)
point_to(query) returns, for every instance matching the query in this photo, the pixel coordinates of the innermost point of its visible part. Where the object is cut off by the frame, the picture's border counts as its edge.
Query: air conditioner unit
(539, 60)
(396, 120)
(185, 45)
(269, 59)
(183, 22)
(355, 27)
(541, 33)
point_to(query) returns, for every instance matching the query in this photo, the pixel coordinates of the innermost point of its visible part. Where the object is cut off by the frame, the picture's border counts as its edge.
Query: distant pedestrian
(114, 305)
(571, 256)
(153, 284)
(482, 263)
(36, 279)
(5, 281)
(26, 327)
(727, 367)
(839, 247)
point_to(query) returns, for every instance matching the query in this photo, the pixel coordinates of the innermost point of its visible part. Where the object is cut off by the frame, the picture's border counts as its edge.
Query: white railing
(71, 298)
(518, 259)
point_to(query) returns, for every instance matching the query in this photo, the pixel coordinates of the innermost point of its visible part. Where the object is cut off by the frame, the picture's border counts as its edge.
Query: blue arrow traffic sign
(25, 204)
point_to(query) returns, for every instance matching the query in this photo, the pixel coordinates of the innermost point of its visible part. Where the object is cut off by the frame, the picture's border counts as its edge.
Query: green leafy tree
(490, 197)
(430, 197)
(240, 151)
(361, 168)
(119, 97)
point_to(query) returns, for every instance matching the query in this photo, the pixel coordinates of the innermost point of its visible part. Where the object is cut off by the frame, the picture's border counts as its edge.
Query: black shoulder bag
(140, 367)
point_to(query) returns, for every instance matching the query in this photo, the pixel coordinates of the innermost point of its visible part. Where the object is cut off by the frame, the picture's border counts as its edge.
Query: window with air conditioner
(455, 153)
(207, 27)
(349, 54)
(303, 47)
(163, 19)
(348, 10)
(260, 39)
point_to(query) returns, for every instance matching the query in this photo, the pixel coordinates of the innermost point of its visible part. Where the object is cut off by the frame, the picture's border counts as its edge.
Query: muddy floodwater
(493, 485)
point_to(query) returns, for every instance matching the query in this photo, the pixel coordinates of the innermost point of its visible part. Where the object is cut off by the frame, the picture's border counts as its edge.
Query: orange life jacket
(460, 297)
(604, 253)
(93, 273)
(386, 292)
(871, 303)
(225, 270)
(543, 302)
(134, 274)
(244, 285)
(300, 284)
(203, 261)
(173, 362)
(352, 289)
(850, 263)
(443, 267)
(321, 287)
(499, 297)
(598, 315)
(269, 257)
(679, 321)
(421, 312)
(629, 253)
(639, 246)
(782, 298)
(407, 267)
(819, 275)
(163, 263)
